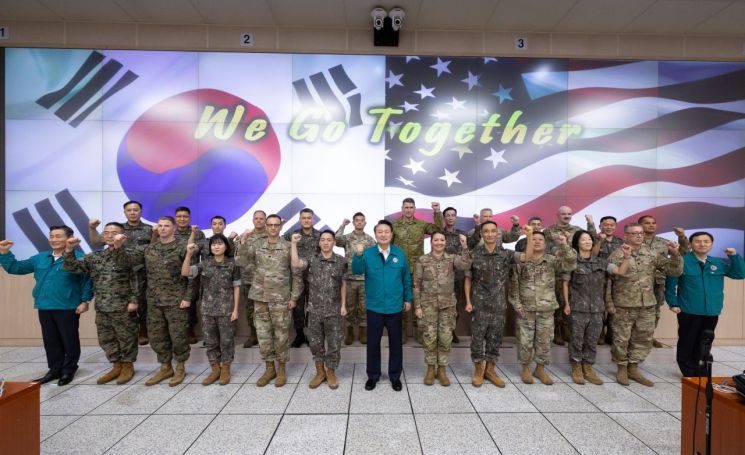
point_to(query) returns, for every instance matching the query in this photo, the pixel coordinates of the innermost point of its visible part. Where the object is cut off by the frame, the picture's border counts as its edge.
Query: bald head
(564, 215)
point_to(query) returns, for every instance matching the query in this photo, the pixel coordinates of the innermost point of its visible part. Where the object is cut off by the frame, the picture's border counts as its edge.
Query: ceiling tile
(26, 10)
(529, 15)
(235, 12)
(608, 16)
(730, 20)
(460, 15)
(162, 11)
(88, 10)
(675, 16)
(305, 13)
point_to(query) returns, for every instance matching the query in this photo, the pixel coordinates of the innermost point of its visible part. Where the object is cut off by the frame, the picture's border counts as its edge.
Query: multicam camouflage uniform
(218, 281)
(489, 274)
(307, 247)
(274, 285)
(533, 290)
(659, 246)
(434, 293)
(635, 302)
(586, 300)
(114, 289)
(356, 307)
(325, 323)
(247, 276)
(167, 323)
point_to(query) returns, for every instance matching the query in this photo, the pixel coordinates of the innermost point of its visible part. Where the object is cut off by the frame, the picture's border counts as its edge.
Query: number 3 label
(521, 44)
(247, 40)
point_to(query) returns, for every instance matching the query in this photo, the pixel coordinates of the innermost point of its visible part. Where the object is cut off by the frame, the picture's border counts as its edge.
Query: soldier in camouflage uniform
(408, 234)
(307, 248)
(634, 302)
(183, 233)
(434, 302)
(115, 295)
(138, 234)
(453, 246)
(327, 282)
(474, 235)
(274, 291)
(608, 242)
(355, 293)
(533, 295)
(534, 222)
(169, 296)
(659, 246)
(220, 293)
(218, 227)
(584, 303)
(250, 235)
(486, 299)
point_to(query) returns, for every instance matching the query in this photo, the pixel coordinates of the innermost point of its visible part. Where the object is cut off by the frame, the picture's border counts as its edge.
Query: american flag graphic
(621, 138)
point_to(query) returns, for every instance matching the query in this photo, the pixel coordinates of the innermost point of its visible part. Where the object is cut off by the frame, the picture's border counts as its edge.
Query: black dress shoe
(396, 385)
(49, 377)
(65, 379)
(370, 384)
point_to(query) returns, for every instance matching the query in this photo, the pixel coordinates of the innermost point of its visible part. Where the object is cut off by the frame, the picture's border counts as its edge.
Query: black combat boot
(299, 339)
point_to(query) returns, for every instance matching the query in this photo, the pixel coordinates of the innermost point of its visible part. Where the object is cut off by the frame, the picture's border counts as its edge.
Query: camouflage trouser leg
(245, 289)
(272, 324)
(298, 313)
(437, 327)
(460, 298)
(324, 337)
(356, 303)
(219, 338)
(659, 295)
(632, 334)
(167, 328)
(536, 330)
(193, 308)
(117, 335)
(486, 336)
(141, 286)
(586, 328)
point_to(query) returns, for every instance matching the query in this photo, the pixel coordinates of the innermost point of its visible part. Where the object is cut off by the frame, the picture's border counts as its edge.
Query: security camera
(378, 14)
(397, 18)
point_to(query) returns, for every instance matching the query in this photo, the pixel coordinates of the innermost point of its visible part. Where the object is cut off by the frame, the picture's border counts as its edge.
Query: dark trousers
(690, 331)
(59, 330)
(375, 324)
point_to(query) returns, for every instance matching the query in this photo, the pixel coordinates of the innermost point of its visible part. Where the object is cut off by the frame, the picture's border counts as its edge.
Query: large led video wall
(229, 133)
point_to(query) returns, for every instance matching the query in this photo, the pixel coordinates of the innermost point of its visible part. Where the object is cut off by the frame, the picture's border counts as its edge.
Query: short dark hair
(534, 218)
(274, 215)
(489, 222)
(358, 214)
(223, 239)
(449, 208)
(408, 199)
(182, 209)
(608, 217)
(699, 233)
(576, 236)
(257, 211)
(66, 229)
(432, 236)
(641, 218)
(307, 210)
(542, 234)
(167, 218)
(218, 217)
(115, 223)
(132, 202)
(328, 231)
(383, 223)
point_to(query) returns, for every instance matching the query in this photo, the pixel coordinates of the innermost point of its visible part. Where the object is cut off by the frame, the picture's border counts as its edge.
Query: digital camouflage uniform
(409, 236)
(434, 293)
(489, 274)
(182, 236)
(356, 307)
(247, 277)
(474, 236)
(325, 322)
(139, 234)
(635, 302)
(452, 246)
(609, 246)
(167, 323)
(587, 303)
(533, 290)
(307, 247)
(114, 288)
(217, 283)
(274, 285)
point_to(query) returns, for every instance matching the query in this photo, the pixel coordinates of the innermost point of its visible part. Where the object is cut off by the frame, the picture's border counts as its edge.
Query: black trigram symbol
(292, 209)
(326, 98)
(89, 90)
(50, 217)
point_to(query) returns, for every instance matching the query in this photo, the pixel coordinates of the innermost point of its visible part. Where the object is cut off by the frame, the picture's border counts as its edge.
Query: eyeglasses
(635, 233)
(273, 225)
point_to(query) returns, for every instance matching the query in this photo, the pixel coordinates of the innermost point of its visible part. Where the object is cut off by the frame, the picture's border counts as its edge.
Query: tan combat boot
(363, 334)
(128, 372)
(429, 378)
(281, 375)
(623, 375)
(331, 379)
(541, 375)
(577, 375)
(590, 375)
(268, 375)
(165, 372)
(491, 375)
(179, 375)
(442, 376)
(525, 374)
(225, 373)
(636, 375)
(319, 377)
(478, 374)
(116, 370)
(349, 337)
(214, 374)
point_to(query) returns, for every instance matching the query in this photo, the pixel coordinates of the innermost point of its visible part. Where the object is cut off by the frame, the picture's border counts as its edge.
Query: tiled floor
(240, 418)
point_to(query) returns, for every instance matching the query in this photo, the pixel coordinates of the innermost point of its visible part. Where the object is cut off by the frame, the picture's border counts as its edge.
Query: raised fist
(296, 238)
(588, 218)
(672, 247)
(72, 242)
(561, 239)
(5, 246)
(194, 228)
(119, 239)
(360, 249)
(232, 235)
(730, 251)
(345, 222)
(515, 219)
(528, 229)
(679, 231)
(463, 241)
(94, 223)
(191, 248)
(476, 218)
(436, 206)
(603, 236)
(626, 250)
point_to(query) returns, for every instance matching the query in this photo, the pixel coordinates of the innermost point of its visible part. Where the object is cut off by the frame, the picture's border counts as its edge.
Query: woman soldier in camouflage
(434, 303)
(220, 289)
(584, 303)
